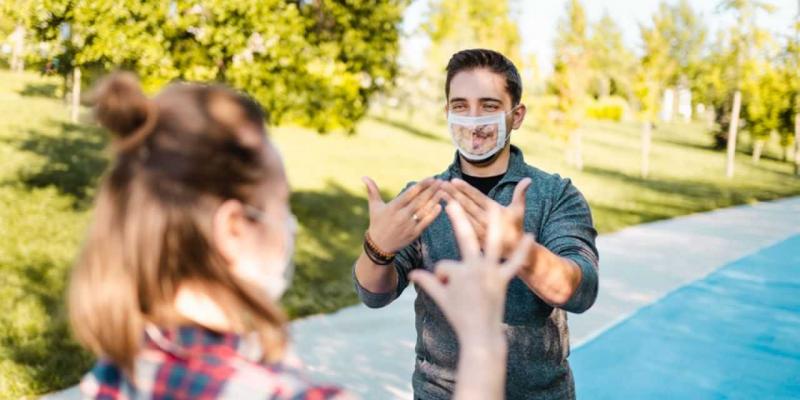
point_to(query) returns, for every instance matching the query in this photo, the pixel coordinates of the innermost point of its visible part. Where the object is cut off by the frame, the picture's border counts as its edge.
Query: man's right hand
(394, 225)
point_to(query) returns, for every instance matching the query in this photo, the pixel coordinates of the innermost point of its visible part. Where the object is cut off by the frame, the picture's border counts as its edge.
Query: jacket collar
(514, 174)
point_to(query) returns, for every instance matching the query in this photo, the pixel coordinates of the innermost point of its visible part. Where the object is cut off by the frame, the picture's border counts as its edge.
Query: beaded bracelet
(374, 257)
(375, 254)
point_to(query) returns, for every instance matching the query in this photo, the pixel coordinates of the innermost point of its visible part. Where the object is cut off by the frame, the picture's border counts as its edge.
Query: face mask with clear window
(478, 138)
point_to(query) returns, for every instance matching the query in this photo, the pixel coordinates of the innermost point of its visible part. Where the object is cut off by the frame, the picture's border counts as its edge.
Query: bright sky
(538, 20)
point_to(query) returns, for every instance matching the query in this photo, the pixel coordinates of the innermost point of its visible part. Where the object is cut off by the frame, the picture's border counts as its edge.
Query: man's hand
(472, 292)
(476, 206)
(396, 224)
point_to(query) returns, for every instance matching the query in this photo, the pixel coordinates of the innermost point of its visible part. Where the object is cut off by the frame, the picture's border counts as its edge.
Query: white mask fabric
(273, 276)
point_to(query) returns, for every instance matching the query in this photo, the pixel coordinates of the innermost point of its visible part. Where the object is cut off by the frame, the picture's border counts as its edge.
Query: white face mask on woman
(478, 138)
(275, 275)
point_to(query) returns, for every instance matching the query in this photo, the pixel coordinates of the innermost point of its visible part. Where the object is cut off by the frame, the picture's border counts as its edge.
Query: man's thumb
(373, 195)
(519, 193)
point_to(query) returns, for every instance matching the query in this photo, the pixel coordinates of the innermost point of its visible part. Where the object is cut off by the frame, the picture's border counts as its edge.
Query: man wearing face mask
(483, 90)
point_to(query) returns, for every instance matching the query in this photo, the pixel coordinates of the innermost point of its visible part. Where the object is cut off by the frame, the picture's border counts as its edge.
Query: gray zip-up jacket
(538, 338)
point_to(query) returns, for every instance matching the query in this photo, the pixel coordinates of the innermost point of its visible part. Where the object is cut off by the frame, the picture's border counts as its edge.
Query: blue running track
(733, 334)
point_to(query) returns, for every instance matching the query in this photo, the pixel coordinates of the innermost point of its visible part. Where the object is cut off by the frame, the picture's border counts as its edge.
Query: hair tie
(140, 135)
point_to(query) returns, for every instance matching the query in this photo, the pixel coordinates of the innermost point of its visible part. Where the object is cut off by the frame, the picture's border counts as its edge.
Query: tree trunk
(758, 147)
(675, 103)
(711, 118)
(797, 144)
(17, 39)
(76, 94)
(572, 151)
(647, 128)
(732, 131)
(605, 87)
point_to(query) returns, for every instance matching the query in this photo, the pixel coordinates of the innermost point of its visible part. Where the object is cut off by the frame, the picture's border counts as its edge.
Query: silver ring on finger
(415, 217)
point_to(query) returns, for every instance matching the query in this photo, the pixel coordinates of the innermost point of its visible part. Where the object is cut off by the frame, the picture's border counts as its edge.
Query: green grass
(50, 168)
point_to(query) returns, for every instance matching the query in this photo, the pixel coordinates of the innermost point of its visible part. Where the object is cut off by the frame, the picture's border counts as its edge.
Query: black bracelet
(375, 257)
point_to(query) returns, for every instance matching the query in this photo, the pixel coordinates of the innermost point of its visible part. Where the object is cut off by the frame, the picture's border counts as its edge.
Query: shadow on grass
(672, 198)
(52, 360)
(332, 222)
(610, 218)
(48, 90)
(665, 139)
(411, 129)
(74, 159)
(696, 195)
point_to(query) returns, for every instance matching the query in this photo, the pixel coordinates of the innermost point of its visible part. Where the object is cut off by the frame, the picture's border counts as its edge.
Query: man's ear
(518, 115)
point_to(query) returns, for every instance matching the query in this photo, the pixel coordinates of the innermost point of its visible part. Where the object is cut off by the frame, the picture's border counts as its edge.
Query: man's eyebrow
(482, 99)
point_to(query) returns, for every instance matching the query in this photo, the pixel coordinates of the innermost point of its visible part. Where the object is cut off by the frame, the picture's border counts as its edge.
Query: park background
(653, 109)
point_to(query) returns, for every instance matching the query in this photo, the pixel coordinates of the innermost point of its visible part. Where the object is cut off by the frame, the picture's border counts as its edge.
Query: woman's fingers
(430, 284)
(494, 235)
(465, 234)
(444, 270)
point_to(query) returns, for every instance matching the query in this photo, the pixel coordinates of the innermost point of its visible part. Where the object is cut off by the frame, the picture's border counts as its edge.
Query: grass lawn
(50, 168)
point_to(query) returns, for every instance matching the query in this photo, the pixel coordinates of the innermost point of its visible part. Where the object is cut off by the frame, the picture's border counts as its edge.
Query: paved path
(371, 352)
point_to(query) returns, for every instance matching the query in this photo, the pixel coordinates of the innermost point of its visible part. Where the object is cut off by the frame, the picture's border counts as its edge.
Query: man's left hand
(477, 206)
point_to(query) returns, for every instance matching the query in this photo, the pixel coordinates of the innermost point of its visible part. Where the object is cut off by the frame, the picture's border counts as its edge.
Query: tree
(13, 21)
(713, 85)
(646, 89)
(686, 36)
(790, 118)
(316, 63)
(767, 101)
(745, 38)
(570, 78)
(612, 63)
(674, 45)
(454, 25)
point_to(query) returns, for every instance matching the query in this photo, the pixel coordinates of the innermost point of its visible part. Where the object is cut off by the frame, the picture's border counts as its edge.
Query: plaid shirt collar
(188, 341)
(195, 362)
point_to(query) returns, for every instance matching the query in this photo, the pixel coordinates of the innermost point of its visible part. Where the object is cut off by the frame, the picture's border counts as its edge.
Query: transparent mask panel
(477, 137)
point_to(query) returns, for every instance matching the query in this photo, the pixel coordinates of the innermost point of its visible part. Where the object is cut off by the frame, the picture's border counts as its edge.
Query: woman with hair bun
(176, 287)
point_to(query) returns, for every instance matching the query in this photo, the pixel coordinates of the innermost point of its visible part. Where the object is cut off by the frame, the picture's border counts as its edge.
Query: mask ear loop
(162, 342)
(511, 112)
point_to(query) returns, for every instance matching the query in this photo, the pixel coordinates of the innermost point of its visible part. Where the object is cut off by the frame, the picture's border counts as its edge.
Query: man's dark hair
(466, 60)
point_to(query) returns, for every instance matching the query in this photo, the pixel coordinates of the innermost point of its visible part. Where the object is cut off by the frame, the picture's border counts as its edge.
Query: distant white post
(732, 131)
(76, 94)
(797, 144)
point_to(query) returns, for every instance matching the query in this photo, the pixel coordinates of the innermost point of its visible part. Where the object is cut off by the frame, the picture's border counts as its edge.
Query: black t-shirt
(483, 183)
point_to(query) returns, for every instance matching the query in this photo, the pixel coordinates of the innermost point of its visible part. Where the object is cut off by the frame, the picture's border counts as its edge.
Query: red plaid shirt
(196, 363)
